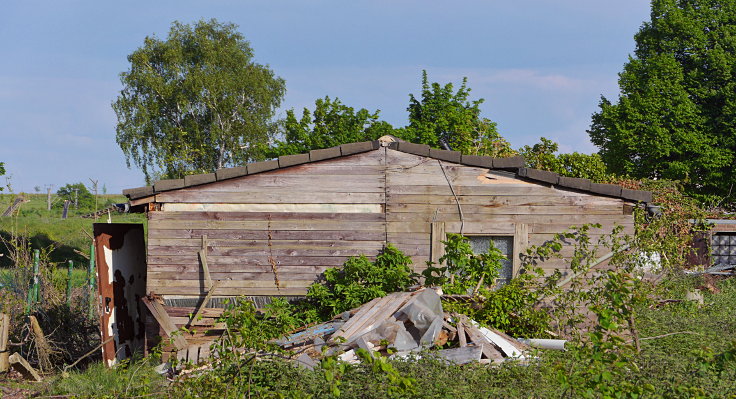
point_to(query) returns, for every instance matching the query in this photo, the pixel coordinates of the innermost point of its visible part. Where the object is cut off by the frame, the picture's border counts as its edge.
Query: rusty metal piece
(121, 276)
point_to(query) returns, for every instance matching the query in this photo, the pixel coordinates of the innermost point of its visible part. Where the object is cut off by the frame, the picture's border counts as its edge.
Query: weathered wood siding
(419, 194)
(273, 233)
(276, 252)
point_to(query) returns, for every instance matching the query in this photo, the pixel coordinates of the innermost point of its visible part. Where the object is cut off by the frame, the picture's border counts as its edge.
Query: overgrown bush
(359, 280)
(68, 330)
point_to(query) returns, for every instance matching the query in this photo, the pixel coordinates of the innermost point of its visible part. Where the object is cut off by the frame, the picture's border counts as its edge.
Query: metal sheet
(121, 275)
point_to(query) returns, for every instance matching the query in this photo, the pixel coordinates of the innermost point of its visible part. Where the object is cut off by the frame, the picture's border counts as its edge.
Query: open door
(120, 256)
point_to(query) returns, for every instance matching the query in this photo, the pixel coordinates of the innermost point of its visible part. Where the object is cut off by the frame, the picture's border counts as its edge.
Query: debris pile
(399, 325)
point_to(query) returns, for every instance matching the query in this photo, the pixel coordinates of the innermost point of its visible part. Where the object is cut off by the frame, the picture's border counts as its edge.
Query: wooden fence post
(33, 290)
(69, 284)
(4, 351)
(91, 282)
(36, 275)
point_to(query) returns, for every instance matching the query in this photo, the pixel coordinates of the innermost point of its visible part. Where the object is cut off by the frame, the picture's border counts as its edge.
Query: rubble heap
(399, 325)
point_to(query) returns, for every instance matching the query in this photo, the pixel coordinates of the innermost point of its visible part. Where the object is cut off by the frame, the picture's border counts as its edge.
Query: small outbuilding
(271, 228)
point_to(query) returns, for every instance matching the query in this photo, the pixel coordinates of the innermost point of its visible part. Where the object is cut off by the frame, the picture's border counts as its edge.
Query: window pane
(505, 244)
(723, 246)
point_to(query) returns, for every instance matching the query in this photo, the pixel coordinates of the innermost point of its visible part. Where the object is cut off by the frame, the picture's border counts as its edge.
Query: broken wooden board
(371, 315)
(479, 339)
(159, 313)
(195, 353)
(204, 302)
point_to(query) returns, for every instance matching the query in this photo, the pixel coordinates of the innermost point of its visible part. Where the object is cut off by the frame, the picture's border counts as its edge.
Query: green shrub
(359, 280)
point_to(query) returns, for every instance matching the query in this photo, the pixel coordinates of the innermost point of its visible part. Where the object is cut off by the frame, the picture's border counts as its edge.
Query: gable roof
(512, 164)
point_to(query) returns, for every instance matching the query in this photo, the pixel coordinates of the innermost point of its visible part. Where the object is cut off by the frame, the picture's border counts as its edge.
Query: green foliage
(330, 124)
(2, 171)
(398, 385)
(253, 330)
(542, 156)
(195, 102)
(359, 280)
(127, 379)
(463, 272)
(443, 115)
(512, 308)
(674, 118)
(77, 191)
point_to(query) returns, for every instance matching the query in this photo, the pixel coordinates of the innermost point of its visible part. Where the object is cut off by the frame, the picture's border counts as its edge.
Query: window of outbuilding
(723, 248)
(512, 239)
(505, 244)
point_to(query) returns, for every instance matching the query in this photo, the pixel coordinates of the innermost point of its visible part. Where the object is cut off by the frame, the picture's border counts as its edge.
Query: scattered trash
(716, 270)
(556, 344)
(401, 325)
(695, 296)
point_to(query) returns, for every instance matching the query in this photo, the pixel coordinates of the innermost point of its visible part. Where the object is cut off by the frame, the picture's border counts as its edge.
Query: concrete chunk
(138, 192)
(606, 189)
(416, 149)
(263, 166)
(325, 153)
(575, 182)
(508, 163)
(229, 173)
(195, 180)
(22, 366)
(539, 175)
(445, 155)
(168, 184)
(636, 195)
(477, 160)
(355, 148)
(291, 160)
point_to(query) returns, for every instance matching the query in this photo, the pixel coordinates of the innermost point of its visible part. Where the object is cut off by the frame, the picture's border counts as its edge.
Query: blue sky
(541, 65)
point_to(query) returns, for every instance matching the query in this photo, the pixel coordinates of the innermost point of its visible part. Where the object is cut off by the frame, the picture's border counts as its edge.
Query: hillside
(47, 230)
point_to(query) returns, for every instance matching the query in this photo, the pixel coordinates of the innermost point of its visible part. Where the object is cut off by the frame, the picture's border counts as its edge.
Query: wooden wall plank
(507, 210)
(275, 244)
(248, 252)
(317, 195)
(503, 200)
(266, 216)
(237, 234)
(265, 225)
(242, 264)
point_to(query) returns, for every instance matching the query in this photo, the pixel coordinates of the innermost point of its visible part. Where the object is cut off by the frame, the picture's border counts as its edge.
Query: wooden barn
(270, 228)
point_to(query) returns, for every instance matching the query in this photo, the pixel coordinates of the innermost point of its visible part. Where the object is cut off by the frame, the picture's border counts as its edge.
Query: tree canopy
(78, 192)
(543, 155)
(676, 114)
(330, 124)
(443, 117)
(2, 171)
(195, 102)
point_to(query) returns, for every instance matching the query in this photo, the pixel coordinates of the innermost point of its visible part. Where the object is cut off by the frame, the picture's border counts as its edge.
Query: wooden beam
(521, 242)
(159, 313)
(204, 302)
(437, 235)
(4, 351)
(203, 260)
